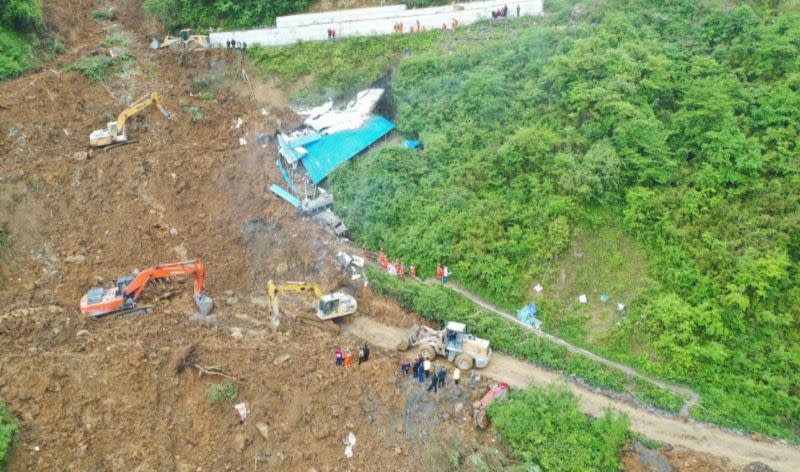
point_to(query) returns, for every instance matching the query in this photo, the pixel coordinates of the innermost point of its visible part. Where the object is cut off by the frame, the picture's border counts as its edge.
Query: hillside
(638, 149)
(669, 126)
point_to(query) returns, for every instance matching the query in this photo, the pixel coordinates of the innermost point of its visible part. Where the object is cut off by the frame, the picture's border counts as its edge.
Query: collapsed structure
(327, 138)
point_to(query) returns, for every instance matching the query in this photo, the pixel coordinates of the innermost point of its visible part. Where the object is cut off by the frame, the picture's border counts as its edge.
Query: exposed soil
(108, 394)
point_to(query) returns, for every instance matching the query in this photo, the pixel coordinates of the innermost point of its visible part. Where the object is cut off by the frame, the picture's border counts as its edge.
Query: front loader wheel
(428, 352)
(464, 362)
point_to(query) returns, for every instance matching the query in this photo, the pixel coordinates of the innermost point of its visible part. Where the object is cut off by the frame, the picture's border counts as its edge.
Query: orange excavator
(121, 298)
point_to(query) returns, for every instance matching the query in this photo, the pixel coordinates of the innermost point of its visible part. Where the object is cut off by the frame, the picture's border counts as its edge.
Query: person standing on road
(405, 366)
(412, 271)
(348, 358)
(517, 10)
(420, 372)
(439, 272)
(426, 365)
(360, 356)
(434, 384)
(446, 274)
(366, 352)
(442, 374)
(456, 375)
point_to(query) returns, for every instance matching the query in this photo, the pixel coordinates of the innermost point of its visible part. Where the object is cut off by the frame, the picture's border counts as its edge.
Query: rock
(80, 156)
(236, 333)
(652, 459)
(399, 429)
(239, 442)
(476, 404)
(263, 429)
(230, 301)
(173, 231)
(757, 466)
(459, 407)
(76, 259)
(281, 359)
(228, 293)
(398, 451)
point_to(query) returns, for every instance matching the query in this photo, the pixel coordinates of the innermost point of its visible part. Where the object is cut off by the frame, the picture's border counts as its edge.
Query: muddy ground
(110, 394)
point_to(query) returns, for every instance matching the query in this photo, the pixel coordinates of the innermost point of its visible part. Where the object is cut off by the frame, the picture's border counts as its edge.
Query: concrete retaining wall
(371, 22)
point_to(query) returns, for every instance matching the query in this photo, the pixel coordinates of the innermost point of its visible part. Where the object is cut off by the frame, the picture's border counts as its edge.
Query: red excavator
(498, 391)
(122, 297)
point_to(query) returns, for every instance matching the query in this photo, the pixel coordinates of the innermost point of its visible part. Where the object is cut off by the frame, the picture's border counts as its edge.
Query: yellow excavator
(186, 37)
(115, 130)
(328, 306)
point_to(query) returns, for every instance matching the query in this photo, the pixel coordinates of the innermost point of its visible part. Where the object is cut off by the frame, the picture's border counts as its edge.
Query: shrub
(8, 433)
(105, 14)
(225, 391)
(94, 68)
(545, 427)
(114, 41)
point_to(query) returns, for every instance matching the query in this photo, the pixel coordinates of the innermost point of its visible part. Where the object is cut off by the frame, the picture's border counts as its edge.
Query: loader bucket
(204, 304)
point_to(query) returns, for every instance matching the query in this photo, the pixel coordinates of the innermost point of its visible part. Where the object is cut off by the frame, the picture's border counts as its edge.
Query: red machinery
(122, 297)
(499, 390)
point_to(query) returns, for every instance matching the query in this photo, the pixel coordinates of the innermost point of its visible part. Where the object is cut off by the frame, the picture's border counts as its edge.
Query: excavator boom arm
(194, 267)
(140, 105)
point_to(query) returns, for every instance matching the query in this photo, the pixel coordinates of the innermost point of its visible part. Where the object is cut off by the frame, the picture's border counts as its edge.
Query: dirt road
(698, 436)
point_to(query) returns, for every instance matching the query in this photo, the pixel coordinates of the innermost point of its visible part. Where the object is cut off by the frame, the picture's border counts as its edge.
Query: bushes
(8, 433)
(441, 305)
(94, 68)
(225, 391)
(545, 427)
(203, 14)
(97, 68)
(106, 14)
(20, 22)
(677, 120)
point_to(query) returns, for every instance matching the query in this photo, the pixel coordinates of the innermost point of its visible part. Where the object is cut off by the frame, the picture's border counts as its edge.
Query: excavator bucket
(204, 304)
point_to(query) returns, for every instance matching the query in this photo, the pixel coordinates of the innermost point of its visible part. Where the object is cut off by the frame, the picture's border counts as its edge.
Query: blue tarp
(527, 315)
(284, 194)
(326, 153)
(412, 144)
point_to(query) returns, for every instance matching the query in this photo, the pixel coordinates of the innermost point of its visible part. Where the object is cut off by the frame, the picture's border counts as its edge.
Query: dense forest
(221, 13)
(20, 21)
(673, 122)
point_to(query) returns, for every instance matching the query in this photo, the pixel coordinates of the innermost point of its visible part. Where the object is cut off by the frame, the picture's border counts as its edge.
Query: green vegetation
(114, 41)
(105, 14)
(221, 14)
(8, 433)
(195, 111)
(337, 68)
(21, 22)
(545, 427)
(441, 305)
(676, 121)
(94, 68)
(219, 392)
